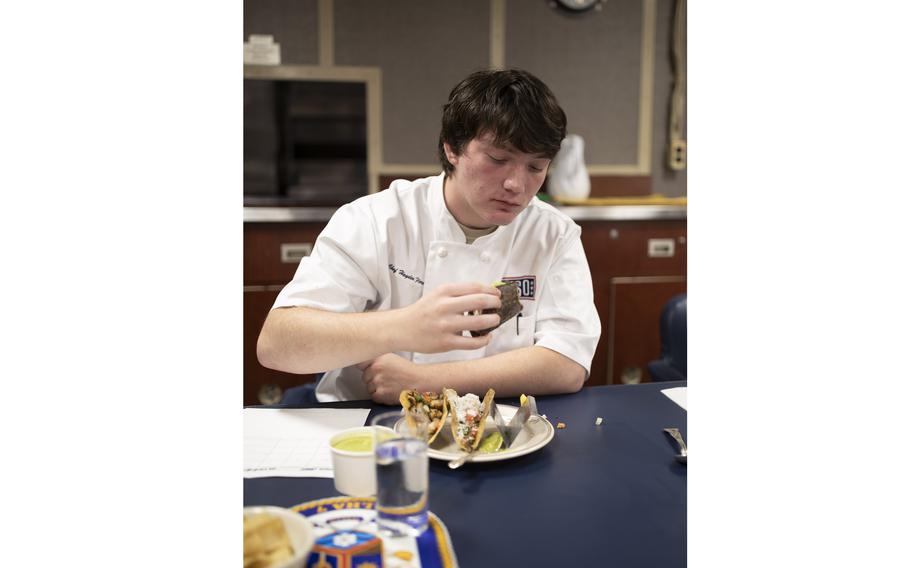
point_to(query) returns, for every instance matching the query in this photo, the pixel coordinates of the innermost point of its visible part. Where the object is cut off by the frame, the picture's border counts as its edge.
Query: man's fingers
(363, 366)
(473, 323)
(467, 288)
(470, 343)
(473, 302)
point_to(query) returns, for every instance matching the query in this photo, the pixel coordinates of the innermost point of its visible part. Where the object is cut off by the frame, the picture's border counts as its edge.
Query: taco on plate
(431, 404)
(469, 415)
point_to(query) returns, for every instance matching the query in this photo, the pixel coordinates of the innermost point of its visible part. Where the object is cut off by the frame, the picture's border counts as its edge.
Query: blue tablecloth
(608, 495)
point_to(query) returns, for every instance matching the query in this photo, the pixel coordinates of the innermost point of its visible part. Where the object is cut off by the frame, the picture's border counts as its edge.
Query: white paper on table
(293, 442)
(677, 395)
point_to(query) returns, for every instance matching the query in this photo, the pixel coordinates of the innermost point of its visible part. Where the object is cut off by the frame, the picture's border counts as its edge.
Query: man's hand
(435, 323)
(386, 376)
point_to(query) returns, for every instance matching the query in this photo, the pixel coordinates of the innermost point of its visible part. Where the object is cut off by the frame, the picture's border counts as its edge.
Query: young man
(383, 303)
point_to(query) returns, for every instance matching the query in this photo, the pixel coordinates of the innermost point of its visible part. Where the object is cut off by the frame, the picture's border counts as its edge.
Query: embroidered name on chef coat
(400, 272)
(527, 285)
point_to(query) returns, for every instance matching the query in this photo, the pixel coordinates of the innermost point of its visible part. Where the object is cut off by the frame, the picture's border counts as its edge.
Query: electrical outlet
(677, 155)
(661, 248)
(293, 253)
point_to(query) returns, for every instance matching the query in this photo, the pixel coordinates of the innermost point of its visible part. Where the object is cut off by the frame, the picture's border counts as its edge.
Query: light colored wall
(423, 47)
(598, 65)
(592, 63)
(293, 23)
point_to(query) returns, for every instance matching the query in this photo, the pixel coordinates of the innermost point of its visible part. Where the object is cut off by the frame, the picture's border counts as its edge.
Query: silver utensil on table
(683, 451)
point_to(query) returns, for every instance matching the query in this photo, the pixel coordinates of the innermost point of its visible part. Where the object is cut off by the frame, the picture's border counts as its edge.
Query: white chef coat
(384, 251)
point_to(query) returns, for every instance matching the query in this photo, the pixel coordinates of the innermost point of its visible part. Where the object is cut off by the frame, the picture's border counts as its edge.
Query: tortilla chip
(510, 307)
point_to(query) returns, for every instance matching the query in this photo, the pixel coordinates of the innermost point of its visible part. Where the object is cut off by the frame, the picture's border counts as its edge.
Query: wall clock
(576, 6)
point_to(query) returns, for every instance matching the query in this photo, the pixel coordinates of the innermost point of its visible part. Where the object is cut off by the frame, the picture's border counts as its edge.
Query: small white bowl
(355, 472)
(299, 529)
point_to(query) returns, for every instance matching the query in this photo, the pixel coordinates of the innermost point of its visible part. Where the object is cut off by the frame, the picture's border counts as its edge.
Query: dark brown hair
(512, 105)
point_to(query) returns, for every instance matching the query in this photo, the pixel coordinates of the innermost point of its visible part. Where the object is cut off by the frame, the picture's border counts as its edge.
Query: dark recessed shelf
(304, 142)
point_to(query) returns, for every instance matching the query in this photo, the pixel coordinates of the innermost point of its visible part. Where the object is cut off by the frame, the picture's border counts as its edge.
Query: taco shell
(466, 442)
(423, 402)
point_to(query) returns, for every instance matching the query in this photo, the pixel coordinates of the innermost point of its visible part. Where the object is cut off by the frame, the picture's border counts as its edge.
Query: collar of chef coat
(445, 227)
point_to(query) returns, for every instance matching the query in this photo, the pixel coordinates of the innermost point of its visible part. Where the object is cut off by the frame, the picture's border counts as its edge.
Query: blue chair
(299, 395)
(304, 394)
(672, 363)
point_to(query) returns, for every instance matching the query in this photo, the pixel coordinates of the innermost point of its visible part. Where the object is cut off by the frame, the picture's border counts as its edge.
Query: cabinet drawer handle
(292, 253)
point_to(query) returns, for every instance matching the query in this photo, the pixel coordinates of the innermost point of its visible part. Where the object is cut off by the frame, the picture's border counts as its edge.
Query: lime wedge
(490, 443)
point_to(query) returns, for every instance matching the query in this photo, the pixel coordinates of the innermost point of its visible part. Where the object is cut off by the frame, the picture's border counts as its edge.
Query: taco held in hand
(510, 307)
(469, 416)
(430, 404)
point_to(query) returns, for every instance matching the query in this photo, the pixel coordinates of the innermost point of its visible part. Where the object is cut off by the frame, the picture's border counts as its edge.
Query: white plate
(536, 433)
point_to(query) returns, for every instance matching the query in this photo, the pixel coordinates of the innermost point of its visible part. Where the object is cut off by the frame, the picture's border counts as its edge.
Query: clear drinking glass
(402, 473)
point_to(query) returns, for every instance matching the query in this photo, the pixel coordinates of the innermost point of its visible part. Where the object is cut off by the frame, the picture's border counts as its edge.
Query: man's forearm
(529, 370)
(304, 340)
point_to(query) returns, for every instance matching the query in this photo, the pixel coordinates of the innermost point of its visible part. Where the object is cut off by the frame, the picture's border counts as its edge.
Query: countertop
(604, 209)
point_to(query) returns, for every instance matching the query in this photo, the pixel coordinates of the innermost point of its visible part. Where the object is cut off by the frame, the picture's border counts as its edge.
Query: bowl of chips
(275, 537)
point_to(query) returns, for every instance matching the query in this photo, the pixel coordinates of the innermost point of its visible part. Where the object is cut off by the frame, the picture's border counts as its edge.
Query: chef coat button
(485, 257)
(442, 253)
